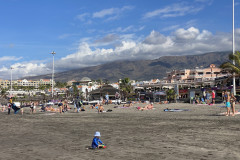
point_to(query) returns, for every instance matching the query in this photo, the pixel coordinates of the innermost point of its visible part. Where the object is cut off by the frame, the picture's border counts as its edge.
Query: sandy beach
(199, 133)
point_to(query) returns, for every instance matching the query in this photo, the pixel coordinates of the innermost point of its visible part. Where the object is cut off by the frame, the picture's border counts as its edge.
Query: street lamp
(11, 81)
(53, 53)
(233, 47)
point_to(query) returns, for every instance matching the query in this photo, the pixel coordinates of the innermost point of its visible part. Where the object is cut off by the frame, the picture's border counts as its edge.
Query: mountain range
(139, 69)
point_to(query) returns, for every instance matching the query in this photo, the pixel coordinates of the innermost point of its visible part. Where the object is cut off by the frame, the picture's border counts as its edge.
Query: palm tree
(3, 92)
(171, 95)
(75, 91)
(100, 81)
(126, 87)
(230, 66)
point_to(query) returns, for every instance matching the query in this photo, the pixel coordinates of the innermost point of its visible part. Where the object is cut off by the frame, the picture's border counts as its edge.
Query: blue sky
(86, 33)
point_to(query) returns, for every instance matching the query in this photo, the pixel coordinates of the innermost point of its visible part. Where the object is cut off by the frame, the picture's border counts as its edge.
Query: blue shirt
(95, 142)
(107, 97)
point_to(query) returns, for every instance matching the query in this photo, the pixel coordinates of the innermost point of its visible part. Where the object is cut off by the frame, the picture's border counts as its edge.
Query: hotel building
(24, 82)
(197, 76)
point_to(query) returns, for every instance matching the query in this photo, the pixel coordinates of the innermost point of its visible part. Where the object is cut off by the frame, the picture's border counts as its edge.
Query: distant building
(83, 81)
(102, 91)
(25, 83)
(70, 83)
(195, 75)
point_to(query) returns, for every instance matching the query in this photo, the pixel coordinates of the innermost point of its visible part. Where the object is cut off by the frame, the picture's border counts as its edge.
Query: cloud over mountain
(179, 42)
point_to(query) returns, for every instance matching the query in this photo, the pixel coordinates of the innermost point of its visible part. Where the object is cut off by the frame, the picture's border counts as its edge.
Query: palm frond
(230, 67)
(235, 57)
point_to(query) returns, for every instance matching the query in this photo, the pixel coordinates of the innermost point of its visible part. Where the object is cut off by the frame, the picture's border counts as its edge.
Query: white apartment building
(25, 83)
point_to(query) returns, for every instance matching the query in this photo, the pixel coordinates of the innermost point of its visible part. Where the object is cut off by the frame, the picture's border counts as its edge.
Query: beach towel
(221, 106)
(224, 113)
(175, 110)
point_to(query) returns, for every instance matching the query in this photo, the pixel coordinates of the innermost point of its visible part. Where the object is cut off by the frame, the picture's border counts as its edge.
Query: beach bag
(109, 110)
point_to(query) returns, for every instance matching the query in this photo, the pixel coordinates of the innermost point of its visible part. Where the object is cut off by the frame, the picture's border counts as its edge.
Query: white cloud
(170, 28)
(112, 12)
(63, 36)
(130, 28)
(189, 34)
(107, 39)
(208, 2)
(174, 10)
(9, 58)
(105, 12)
(180, 42)
(155, 45)
(24, 69)
(82, 16)
(155, 38)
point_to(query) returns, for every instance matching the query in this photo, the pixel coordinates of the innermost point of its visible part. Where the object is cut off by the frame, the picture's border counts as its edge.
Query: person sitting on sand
(97, 143)
(100, 108)
(147, 107)
(83, 108)
(93, 106)
(128, 105)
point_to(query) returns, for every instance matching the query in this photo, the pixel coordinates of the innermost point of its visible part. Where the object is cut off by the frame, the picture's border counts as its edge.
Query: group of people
(106, 100)
(63, 106)
(208, 97)
(230, 101)
(11, 105)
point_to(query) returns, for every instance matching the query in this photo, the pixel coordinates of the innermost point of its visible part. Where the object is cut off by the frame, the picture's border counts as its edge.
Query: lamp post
(53, 53)
(233, 47)
(11, 82)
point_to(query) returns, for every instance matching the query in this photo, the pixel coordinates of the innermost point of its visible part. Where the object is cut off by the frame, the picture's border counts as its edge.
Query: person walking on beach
(213, 97)
(9, 108)
(65, 105)
(107, 98)
(204, 95)
(76, 106)
(225, 96)
(207, 97)
(32, 108)
(233, 100)
(117, 98)
(60, 105)
(21, 110)
(223, 93)
(228, 105)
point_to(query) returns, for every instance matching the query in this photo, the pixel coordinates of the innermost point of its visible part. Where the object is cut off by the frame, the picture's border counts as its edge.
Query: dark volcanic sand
(128, 133)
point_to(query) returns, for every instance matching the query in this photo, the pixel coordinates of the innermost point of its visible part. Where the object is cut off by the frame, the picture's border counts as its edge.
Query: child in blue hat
(97, 143)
